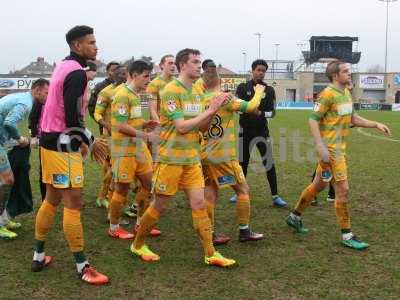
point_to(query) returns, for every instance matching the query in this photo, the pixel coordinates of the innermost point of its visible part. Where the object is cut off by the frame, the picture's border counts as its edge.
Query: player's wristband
(268, 114)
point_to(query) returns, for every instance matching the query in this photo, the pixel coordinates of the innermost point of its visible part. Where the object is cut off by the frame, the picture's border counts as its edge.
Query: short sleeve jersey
(126, 108)
(179, 102)
(199, 85)
(104, 100)
(154, 88)
(219, 141)
(333, 111)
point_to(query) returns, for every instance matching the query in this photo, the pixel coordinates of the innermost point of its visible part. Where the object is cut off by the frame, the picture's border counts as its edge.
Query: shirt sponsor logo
(136, 112)
(345, 109)
(192, 109)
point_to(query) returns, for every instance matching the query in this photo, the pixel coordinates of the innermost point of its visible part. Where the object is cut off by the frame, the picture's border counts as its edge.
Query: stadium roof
(334, 38)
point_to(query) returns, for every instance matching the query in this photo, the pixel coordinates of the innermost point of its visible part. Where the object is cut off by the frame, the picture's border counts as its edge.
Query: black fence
(372, 106)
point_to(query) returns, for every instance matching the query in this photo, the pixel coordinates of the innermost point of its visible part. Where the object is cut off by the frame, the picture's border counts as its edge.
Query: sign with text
(230, 84)
(396, 107)
(25, 83)
(372, 82)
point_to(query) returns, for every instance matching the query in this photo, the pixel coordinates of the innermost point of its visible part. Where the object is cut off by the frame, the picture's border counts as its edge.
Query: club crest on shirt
(317, 105)
(122, 110)
(171, 104)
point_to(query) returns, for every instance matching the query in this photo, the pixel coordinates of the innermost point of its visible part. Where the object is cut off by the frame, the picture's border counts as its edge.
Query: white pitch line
(377, 136)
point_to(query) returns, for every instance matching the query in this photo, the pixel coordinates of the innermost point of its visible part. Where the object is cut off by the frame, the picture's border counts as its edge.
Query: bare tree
(375, 69)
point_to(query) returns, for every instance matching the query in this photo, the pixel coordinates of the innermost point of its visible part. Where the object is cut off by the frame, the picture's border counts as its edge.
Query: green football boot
(354, 243)
(7, 234)
(296, 224)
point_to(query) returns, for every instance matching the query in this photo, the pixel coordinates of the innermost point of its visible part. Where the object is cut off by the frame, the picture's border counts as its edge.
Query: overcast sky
(221, 29)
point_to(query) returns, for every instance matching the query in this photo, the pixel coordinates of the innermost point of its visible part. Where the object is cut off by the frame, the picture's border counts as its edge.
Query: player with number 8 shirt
(219, 158)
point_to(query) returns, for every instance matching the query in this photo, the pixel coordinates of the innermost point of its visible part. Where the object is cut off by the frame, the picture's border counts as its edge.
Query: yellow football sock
(243, 209)
(44, 220)
(142, 199)
(202, 225)
(211, 213)
(305, 199)
(147, 222)
(118, 202)
(73, 229)
(342, 215)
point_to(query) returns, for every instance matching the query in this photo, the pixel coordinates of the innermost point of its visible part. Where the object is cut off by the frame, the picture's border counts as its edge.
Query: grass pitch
(283, 266)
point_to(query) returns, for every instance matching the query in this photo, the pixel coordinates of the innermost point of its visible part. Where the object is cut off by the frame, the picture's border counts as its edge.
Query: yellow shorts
(62, 169)
(126, 168)
(168, 179)
(338, 168)
(224, 174)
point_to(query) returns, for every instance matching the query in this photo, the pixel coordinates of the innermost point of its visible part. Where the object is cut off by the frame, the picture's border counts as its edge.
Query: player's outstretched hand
(23, 141)
(383, 128)
(220, 100)
(99, 150)
(259, 88)
(34, 142)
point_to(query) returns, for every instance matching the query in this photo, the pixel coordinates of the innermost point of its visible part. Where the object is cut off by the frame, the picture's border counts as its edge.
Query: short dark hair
(183, 56)
(120, 67)
(164, 58)
(333, 68)
(110, 64)
(39, 83)
(208, 63)
(139, 66)
(259, 62)
(78, 32)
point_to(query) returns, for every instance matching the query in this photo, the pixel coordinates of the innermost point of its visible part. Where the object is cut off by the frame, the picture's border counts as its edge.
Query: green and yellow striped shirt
(179, 102)
(333, 112)
(126, 108)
